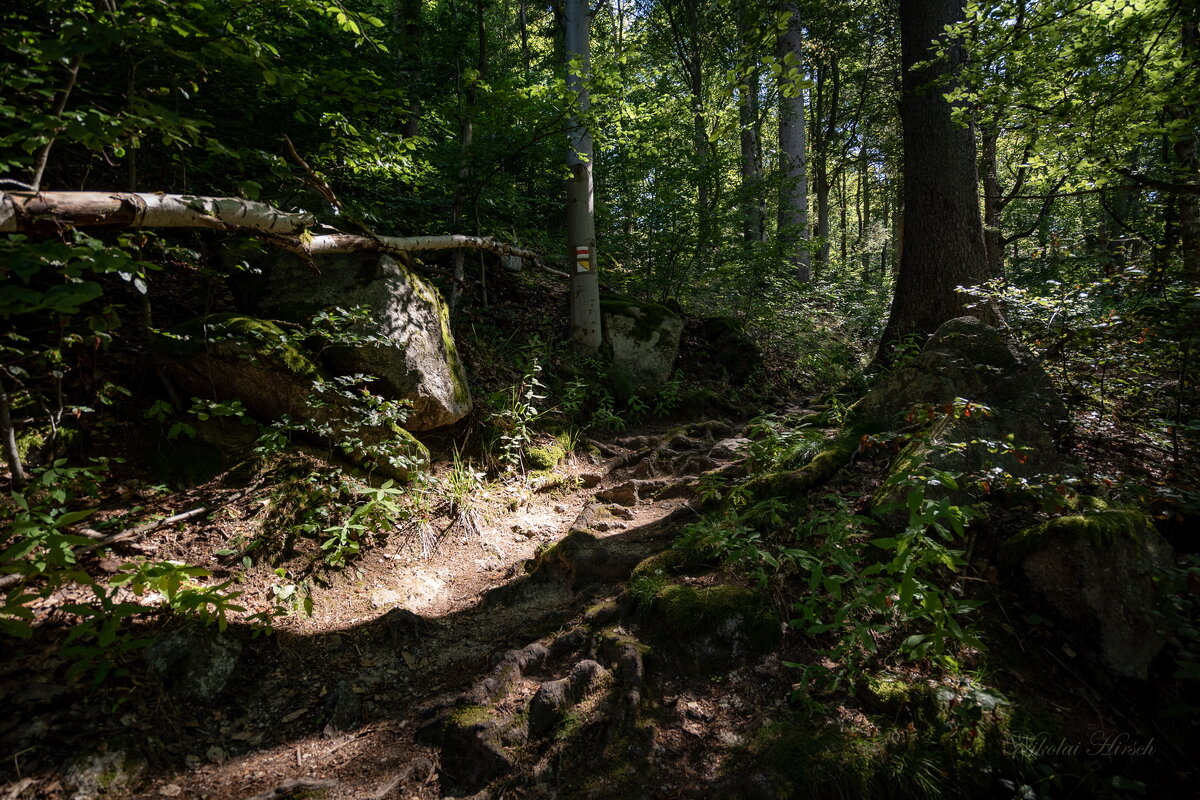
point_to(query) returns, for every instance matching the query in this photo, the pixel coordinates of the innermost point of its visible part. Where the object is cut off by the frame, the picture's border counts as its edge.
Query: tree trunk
(822, 169)
(1187, 165)
(825, 122)
(751, 164)
(748, 137)
(46, 212)
(50, 213)
(581, 225)
(8, 435)
(992, 202)
(864, 226)
(943, 235)
(463, 185)
(793, 151)
(408, 20)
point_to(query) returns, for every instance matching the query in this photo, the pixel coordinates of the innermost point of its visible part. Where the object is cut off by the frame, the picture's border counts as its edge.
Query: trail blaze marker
(582, 258)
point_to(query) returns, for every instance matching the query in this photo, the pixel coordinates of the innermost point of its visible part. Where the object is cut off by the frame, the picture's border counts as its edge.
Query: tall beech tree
(793, 148)
(581, 203)
(943, 234)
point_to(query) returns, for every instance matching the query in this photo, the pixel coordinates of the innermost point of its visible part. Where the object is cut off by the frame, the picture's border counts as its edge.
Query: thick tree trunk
(748, 137)
(943, 236)
(823, 208)
(993, 243)
(581, 225)
(793, 151)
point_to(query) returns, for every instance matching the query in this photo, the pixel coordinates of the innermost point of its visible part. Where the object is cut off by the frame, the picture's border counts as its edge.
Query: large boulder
(229, 357)
(718, 346)
(1012, 422)
(407, 342)
(642, 337)
(1097, 573)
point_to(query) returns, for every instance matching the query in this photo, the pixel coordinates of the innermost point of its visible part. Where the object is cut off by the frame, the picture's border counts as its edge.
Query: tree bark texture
(48, 212)
(943, 236)
(54, 212)
(793, 151)
(992, 202)
(581, 221)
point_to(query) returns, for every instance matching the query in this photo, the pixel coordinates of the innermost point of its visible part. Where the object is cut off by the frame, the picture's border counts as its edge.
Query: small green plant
(288, 596)
(668, 396)
(513, 414)
(383, 507)
(461, 482)
(775, 443)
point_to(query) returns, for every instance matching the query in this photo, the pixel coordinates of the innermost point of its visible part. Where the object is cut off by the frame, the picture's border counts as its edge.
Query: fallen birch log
(52, 212)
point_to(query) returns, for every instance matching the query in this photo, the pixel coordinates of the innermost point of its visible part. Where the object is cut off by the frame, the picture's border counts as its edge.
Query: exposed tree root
(813, 474)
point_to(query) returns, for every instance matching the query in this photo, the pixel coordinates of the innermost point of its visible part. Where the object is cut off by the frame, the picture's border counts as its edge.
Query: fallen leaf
(297, 714)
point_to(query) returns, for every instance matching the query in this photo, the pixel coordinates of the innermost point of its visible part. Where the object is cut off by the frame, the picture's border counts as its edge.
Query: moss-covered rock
(115, 771)
(545, 456)
(235, 357)
(1096, 573)
(39, 443)
(711, 628)
(228, 357)
(406, 337)
(1014, 432)
(643, 338)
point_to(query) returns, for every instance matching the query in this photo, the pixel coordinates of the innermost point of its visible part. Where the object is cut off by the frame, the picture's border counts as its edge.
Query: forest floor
(418, 672)
(333, 700)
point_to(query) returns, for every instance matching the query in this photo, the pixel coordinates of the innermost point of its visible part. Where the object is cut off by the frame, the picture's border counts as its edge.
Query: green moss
(30, 441)
(1084, 504)
(37, 443)
(229, 334)
(462, 392)
(544, 456)
(470, 716)
(1103, 528)
(643, 589)
(669, 561)
(895, 697)
(816, 472)
(648, 317)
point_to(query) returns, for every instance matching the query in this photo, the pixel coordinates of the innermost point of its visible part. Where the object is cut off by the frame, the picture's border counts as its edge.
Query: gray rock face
(194, 663)
(342, 707)
(1096, 573)
(643, 338)
(412, 349)
(113, 772)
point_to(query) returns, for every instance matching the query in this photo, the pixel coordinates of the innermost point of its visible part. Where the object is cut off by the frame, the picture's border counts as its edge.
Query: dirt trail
(336, 702)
